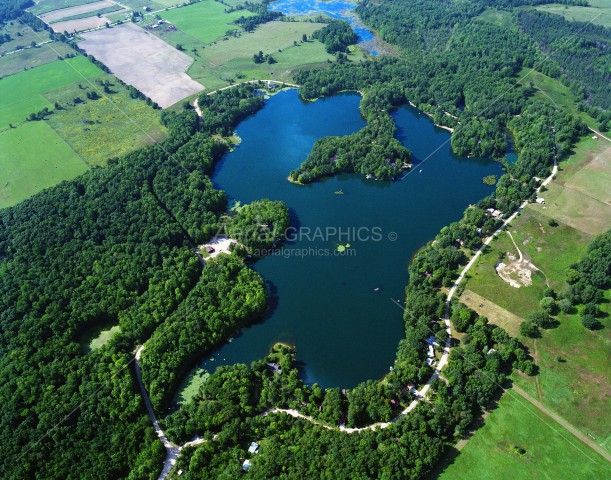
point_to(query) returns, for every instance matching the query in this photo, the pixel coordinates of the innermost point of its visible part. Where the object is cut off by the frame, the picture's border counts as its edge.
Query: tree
(304, 38)
(529, 329)
(541, 319)
(590, 322)
(548, 305)
(565, 305)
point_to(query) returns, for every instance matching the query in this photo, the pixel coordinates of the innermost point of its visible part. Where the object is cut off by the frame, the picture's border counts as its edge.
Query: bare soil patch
(141, 59)
(72, 26)
(68, 12)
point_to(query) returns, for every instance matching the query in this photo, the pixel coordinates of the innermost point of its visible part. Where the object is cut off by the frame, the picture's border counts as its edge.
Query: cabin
(209, 249)
(254, 448)
(430, 362)
(431, 352)
(274, 367)
(540, 200)
(246, 465)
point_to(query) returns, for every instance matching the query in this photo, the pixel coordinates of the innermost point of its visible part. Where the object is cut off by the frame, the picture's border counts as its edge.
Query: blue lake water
(326, 305)
(334, 8)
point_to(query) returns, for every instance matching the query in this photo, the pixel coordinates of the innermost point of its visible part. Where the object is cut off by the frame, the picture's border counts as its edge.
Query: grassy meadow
(574, 377)
(232, 59)
(22, 93)
(518, 442)
(598, 12)
(204, 21)
(33, 157)
(46, 6)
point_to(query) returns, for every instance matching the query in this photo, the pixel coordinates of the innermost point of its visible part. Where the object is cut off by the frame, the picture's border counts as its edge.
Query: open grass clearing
(33, 157)
(495, 314)
(32, 57)
(218, 64)
(205, 21)
(519, 442)
(580, 195)
(597, 14)
(22, 93)
(108, 127)
(502, 18)
(21, 36)
(485, 281)
(141, 59)
(574, 379)
(551, 90)
(98, 336)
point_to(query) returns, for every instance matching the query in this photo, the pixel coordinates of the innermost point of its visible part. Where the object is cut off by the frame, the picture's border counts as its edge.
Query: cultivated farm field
(597, 12)
(141, 59)
(45, 6)
(33, 157)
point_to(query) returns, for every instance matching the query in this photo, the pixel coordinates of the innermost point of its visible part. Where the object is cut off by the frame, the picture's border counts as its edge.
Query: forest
(336, 36)
(114, 246)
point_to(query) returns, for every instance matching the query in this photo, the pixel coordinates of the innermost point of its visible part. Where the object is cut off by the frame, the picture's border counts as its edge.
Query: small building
(431, 352)
(430, 362)
(274, 367)
(254, 448)
(246, 465)
(209, 249)
(540, 200)
(179, 473)
(492, 350)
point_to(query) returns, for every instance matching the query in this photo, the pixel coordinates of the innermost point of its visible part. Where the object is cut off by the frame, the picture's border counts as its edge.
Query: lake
(339, 9)
(338, 310)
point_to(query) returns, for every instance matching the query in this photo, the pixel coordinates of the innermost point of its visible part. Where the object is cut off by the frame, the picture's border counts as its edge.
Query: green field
(205, 21)
(32, 57)
(21, 36)
(550, 452)
(33, 157)
(599, 12)
(484, 281)
(502, 18)
(46, 6)
(21, 94)
(577, 386)
(580, 197)
(232, 59)
(108, 127)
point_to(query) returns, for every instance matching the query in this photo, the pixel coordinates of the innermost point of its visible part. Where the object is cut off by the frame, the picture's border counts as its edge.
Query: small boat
(377, 289)
(420, 171)
(339, 192)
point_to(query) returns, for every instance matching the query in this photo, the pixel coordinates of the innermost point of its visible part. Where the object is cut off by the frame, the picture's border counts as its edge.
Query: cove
(340, 9)
(326, 305)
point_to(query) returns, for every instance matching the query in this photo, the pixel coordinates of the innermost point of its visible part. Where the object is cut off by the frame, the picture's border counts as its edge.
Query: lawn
(502, 18)
(598, 13)
(21, 94)
(111, 126)
(33, 157)
(205, 21)
(519, 442)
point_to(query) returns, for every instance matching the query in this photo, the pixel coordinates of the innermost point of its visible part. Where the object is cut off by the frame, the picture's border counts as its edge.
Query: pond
(338, 308)
(339, 9)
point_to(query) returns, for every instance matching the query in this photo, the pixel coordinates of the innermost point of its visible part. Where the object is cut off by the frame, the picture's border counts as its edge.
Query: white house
(540, 200)
(254, 447)
(246, 465)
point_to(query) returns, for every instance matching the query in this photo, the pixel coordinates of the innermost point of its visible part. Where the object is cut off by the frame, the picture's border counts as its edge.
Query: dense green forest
(114, 246)
(581, 50)
(111, 247)
(336, 36)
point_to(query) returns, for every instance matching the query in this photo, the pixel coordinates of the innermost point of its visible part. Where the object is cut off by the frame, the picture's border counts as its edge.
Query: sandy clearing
(68, 12)
(141, 59)
(72, 26)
